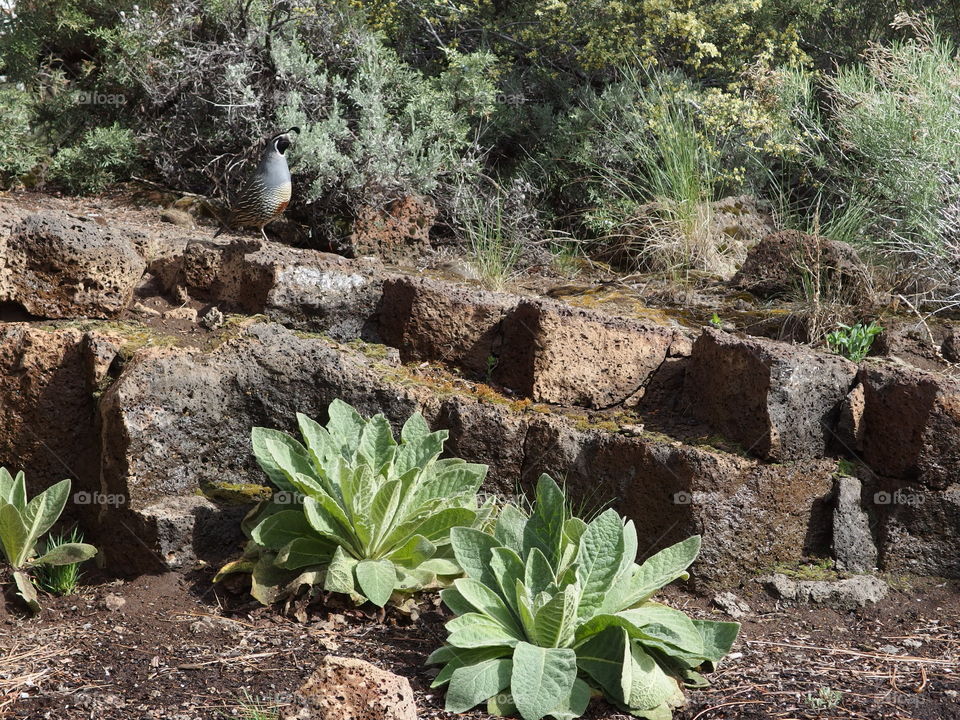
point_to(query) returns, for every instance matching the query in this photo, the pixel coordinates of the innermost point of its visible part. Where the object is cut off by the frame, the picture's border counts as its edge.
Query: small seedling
(716, 322)
(492, 363)
(824, 699)
(23, 523)
(853, 342)
(60, 579)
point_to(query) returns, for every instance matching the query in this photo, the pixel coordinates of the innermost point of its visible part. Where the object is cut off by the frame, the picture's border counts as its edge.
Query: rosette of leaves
(357, 512)
(23, 523)
(554, 609)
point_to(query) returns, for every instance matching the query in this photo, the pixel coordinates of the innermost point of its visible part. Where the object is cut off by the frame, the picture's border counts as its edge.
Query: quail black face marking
(268, 190)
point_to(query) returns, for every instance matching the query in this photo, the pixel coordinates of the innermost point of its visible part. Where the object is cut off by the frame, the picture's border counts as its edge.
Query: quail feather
(267, 192)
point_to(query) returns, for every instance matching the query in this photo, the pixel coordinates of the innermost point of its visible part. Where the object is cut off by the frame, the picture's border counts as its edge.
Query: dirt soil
(173, 646)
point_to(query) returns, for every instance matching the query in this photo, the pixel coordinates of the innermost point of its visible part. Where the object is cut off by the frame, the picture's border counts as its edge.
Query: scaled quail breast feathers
(267, 192)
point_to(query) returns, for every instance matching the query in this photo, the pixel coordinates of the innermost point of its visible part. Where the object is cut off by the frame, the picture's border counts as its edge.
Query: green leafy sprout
(553, 608)
(853, 342)
(60, 579)
(23, 523)
(355, 511)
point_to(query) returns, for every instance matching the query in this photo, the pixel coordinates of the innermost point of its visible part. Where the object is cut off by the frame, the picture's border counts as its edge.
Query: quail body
(267, 192)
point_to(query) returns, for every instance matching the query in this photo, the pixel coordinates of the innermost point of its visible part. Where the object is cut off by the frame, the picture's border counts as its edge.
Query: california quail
(267, 192)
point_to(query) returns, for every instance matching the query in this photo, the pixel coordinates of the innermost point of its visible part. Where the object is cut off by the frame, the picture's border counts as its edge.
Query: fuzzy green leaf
(541, 677)
(473, 684)
(66, 554)
(377, 580)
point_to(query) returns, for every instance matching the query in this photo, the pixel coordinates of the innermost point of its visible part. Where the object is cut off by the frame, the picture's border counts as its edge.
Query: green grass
(492, 248)
(59, 579)
(249, 708)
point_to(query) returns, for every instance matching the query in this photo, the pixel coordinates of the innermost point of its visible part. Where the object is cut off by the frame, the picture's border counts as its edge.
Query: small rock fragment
(182, 313)
(731, 605)
(114, 602)
(212, 318)
(351, 689)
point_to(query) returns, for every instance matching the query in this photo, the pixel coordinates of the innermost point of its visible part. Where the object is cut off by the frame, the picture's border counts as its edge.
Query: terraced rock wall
(124, 379)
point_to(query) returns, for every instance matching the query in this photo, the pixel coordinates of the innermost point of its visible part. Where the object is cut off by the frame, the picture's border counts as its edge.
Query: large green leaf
(432, 525)
(509, 528)
(575, 705)
(376, 441)
(457, 480)
(486, 601)
(281, 528)
(13, 533)
(645, 685)
(473, 549)
(13, 490)
(474, 630)
(659, 570)
(544, 529)
(507, 568)
(345, 426)
(602, 658)
(382, 512)
(453, 657)
(320, 444)
(414, 428)
(541, 677)
(280, 456)
(340, 577)
(718, 638)
(377, 580)
(538, 574)
(667, 625)
(303, 552)
(26, 589)
(420, 452)
(412, 553)
(40, 514)
(455, 602)
(67, 554)
(599, 560)
(473, 684)
(554, 623)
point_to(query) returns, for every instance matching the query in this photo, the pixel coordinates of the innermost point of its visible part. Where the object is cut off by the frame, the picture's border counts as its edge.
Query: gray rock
(853, 546)
(732, 605)
(847, 594)
(60, 266)
(778, 401)
(552, 352)
(924, 441)
(306, 289)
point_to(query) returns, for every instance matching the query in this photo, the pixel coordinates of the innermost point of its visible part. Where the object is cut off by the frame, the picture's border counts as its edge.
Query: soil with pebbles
(174, 646)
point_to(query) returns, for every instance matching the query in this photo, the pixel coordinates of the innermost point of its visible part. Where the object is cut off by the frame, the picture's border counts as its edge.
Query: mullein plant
(554, 609)
(357, 512)
(23, 523)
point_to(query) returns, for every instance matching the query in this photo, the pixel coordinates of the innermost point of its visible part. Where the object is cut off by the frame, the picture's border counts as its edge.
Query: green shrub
(23, 523)
(853, 342)
(104, 156)
(20, 151)
(881, 143)
(552, 605)
(357, 512)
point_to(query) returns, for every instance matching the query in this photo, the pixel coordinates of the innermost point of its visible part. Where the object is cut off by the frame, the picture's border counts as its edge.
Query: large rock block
(555, 353)
(778, 401)
(428, 319)
(910, 424)
(307, 289)
(751, 515)
(61, 266)
(47, 406)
